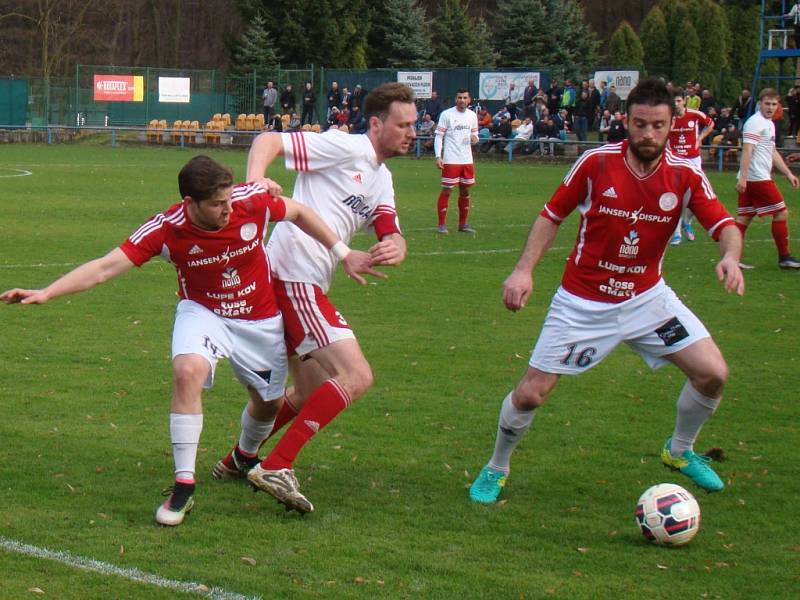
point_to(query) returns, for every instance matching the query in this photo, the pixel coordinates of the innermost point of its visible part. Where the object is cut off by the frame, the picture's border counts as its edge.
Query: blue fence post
(49, 135)
(418, 147)
(113, 138)
(720, 156)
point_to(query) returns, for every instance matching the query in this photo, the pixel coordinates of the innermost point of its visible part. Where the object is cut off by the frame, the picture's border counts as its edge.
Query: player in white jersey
(629, 196)
(456, 133)
(228, 309)
(344, 178)
(758, 194)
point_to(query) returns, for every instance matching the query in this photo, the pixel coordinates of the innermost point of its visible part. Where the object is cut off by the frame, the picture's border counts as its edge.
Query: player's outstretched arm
(391, 250)
(728, 270)
(80, 279)
(263, 150)
(518, 286)
(354, 262)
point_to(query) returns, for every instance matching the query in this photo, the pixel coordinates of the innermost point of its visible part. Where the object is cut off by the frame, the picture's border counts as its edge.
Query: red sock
(327, 401)
(444, 200)
(780, 233)
(463, 210)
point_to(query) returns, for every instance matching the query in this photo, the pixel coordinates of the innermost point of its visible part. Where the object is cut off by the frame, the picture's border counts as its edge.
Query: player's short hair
(678, 92)
(202, 177)
(769, 93)
(462, 91)
(379, 100)
(651, 92)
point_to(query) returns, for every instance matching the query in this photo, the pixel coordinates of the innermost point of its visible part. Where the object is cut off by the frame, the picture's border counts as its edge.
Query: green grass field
(85, 388)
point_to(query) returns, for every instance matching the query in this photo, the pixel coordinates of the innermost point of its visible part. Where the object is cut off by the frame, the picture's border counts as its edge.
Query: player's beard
(647, 151)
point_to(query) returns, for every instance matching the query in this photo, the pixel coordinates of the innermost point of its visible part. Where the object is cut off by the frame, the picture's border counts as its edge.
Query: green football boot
(694, 466)
(487, 487)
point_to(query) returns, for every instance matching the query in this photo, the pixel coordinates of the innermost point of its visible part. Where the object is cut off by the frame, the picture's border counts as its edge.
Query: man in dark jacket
(309, 104)
(433, 106)
(288, 100)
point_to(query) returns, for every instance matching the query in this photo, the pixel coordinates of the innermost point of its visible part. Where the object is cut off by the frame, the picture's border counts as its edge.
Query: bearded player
(630, 196)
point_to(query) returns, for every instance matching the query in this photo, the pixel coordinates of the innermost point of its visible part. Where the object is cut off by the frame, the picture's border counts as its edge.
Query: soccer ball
(668, 515)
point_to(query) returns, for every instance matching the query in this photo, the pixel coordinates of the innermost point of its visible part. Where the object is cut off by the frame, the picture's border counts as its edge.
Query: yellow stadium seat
(250, 122)
(216, 117)
(285, 121)
(211, 136)
(240, 121)
(176, 136)
(306, 127)
(259, 122)
(316, 128)
(226, 120)
(152, 131)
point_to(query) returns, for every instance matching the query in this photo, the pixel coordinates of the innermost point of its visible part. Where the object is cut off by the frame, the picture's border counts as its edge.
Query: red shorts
(453, 175)
(310, 320)
(761, 198)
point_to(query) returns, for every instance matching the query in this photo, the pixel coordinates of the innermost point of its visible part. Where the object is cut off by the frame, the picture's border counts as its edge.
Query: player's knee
(712, 380)
(189, 372)
(529, 396)
(357, 381)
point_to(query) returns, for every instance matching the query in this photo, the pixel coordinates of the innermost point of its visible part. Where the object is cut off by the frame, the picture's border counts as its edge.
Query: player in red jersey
(227, 306)
(629, 196)
(689, 129)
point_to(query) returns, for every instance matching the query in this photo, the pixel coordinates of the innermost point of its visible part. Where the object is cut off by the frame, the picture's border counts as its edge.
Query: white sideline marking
(90, 564)
(17, 172)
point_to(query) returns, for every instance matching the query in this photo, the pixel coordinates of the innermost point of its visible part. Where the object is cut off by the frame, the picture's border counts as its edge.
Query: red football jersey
(685, 131)
(226, 271)
(627, 220)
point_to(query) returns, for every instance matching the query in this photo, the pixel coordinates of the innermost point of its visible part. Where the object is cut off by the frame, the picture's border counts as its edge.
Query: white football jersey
(341, 180)
(455, 127)
(760, 131)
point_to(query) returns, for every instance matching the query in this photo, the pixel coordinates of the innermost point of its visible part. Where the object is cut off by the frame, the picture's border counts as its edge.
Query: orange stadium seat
(316, 128)
(259, 123)
(250, 122)
(152, 131)
(211, 135)
(176, 136)
(240, 121)
(226, 120)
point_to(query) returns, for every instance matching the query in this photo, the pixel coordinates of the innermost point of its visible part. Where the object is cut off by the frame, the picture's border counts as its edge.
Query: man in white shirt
(758, 194)
(344, 179)
(456, 133)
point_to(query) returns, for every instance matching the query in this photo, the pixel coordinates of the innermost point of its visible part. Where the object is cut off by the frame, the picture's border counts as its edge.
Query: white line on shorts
(16, 172)
(96, 566)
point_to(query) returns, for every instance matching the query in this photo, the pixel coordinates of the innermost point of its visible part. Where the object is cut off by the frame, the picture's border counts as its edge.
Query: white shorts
(255, 349)
(578, 333)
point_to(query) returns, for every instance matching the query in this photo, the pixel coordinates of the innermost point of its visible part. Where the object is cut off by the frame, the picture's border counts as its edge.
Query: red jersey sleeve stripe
(299, 151)
(156, 222)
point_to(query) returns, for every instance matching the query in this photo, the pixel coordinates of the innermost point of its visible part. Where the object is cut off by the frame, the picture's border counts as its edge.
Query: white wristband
(340, 250)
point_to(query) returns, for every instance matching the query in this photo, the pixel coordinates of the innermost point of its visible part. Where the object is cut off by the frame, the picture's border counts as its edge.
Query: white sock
(184, 430)
(511, 426)
(253, 433)
(694, 409)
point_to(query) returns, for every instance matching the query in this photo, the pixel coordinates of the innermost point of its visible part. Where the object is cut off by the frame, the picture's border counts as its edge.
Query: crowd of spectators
(530, 122)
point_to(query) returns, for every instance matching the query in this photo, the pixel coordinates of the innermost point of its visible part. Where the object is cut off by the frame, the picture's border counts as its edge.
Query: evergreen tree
(715, 46)
(458, 40)
(399, 35)
(625, 49)
(686, 53)
(655, 43)
(521, 32)
(253, 50)
(744, 20)
(571, 44)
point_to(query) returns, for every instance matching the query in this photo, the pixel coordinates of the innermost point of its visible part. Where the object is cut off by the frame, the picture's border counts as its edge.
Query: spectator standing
(433, 106)
(554, 97)
(357, 98)
(742, 106)
(269, 97)
(794, 17)
(613, 101)
(584, 112)
(334, 97)
(346, 97)
(456, 133)
(288, 100)
(793, 108)
(528, 98)
(569, 97)
(605, 125)
(616, 130)
(693, 98)
(707, 102)
(309, 104)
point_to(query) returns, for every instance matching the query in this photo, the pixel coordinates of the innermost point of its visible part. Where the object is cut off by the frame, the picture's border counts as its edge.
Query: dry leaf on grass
(36, 590)
(249, 561)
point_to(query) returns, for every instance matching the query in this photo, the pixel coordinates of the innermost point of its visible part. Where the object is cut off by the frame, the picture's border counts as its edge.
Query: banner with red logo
(118, 88)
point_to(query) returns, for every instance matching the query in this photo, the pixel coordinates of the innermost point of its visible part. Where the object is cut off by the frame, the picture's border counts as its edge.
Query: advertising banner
(496, 86)
(118, 88)
(624, 80)
(174, 89)
(419, 81)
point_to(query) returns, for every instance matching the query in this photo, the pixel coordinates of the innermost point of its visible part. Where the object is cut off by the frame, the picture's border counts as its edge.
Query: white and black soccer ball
(668, 515)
